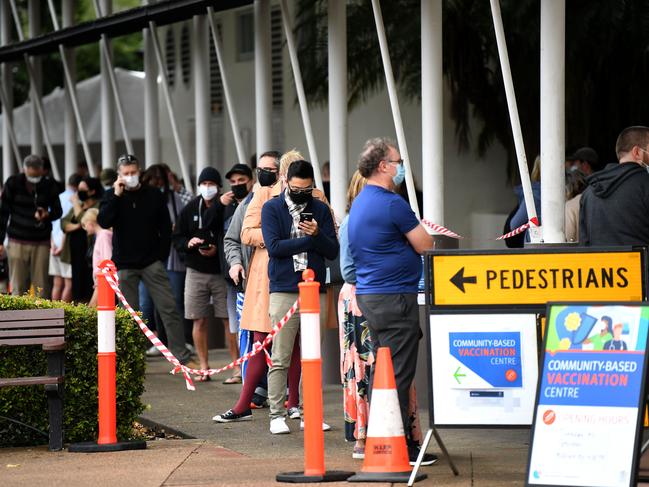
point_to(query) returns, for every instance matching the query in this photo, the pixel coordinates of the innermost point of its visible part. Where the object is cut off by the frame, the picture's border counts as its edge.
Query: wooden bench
(43, 327)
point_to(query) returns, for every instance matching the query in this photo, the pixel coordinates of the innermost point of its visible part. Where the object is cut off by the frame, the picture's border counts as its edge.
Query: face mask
(207, 192)
(266, 178)
(34, 179)
(240, 191)
(398, 178)
(131, 181)
(300, 198)
(83, 195)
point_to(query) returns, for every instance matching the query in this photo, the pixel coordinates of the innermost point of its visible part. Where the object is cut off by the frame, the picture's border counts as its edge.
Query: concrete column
(8, 167)
(553, 73)
(70, 135)
(36, 135)
(108, 157)
(263, 78)
(337, 46)
(432, 110)
(151, 105)
(201, 75)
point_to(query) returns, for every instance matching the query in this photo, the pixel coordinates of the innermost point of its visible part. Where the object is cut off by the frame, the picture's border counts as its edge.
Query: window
(185, 55)
(170, 56)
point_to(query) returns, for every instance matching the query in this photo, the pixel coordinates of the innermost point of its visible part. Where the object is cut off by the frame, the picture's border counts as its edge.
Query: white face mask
(34, 179)
(207, 192)
(131, 181)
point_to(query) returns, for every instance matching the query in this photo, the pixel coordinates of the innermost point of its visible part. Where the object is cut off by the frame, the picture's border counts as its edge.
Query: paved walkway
(245, 453)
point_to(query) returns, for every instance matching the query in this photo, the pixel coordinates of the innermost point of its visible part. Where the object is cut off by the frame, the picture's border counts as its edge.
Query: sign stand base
(424, 446)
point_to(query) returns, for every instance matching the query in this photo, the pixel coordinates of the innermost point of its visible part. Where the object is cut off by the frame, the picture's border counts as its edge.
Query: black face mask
(266, 178)
(83, 195)
(240, 191)
(300, 198)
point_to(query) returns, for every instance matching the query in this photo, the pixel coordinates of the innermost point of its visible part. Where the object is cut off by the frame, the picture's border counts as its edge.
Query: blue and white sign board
(591, 395)
(484, 369)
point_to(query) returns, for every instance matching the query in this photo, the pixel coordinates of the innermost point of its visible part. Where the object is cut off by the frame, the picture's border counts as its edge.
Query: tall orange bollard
(314, 464)
(106, 366)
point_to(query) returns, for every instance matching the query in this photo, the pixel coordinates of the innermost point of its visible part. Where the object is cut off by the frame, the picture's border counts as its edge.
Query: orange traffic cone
(386, 452)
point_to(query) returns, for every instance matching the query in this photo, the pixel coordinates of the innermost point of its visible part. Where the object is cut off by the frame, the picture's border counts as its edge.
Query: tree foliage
(607, 51)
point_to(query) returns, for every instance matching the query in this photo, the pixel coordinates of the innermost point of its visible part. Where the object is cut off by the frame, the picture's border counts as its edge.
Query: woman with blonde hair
(355, 346)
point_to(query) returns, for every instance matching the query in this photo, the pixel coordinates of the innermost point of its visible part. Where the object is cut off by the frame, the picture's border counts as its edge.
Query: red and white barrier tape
(257, 347)
(449, 233)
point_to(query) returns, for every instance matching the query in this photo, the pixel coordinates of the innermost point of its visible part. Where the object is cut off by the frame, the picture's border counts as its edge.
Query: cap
(585, 154)
(210, 174)
(239, 169)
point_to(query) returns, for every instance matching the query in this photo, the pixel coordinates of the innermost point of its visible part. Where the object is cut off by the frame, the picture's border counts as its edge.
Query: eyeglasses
(399, 161)
(126, 159)
(301, 190)
(263, 169)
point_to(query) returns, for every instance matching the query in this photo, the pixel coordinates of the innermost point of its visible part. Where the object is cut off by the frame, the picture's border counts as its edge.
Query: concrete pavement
(246, 453)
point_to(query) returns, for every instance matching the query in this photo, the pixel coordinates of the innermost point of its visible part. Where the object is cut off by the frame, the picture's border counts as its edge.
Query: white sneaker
(294, 413)
(325, 426)
(153, 351)
(191, 348)
(278, 426)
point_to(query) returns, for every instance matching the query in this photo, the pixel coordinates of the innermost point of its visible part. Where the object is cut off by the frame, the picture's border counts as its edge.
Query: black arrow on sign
(459, 280)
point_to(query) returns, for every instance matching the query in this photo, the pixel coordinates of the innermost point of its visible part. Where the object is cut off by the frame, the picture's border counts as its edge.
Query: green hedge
(29, 404)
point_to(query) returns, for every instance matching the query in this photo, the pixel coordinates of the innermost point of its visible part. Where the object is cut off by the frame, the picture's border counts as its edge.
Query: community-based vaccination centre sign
(591, 396)
(484, 368)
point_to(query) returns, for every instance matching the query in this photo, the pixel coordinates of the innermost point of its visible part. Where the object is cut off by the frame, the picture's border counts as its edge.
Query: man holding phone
(141, 226)
(198, 235)
(29, 204)
(299, 233)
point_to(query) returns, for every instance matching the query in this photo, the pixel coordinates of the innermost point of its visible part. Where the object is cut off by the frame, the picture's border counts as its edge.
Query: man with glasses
(614, 207)
(30, 202)
(299, 233)
(386, 240)
(141, 226)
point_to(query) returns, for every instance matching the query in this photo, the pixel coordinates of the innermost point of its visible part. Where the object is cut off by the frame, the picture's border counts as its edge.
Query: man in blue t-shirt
(386, 240)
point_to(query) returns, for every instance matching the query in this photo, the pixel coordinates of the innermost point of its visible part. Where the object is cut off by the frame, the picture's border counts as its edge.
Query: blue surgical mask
(398, 178)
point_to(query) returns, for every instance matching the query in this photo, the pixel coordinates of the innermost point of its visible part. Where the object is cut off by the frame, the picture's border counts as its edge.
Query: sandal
(235, 379)
(202, 378)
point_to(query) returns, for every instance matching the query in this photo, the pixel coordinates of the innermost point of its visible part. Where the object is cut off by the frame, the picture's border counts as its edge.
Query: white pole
(301, 96)
(394, 103)
(234, 121)
(535, 236)
(110, 70)
(432, 110)
(36, 99)
(10, 151)
(34, 14)
(108, 157)
(170, 108)
(263, 78)
(201, 67)
(553, 72)
(338, 142)
(72, 111)
(69, 66)
(151, 106)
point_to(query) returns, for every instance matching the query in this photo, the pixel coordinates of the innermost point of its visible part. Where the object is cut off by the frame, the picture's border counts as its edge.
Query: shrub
(28, 404)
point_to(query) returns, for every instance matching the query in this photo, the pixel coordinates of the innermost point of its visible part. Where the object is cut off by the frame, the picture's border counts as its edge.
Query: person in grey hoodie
(615, 205)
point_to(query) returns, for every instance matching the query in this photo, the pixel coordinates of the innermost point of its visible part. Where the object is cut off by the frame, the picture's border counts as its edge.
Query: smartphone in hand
(306, 216)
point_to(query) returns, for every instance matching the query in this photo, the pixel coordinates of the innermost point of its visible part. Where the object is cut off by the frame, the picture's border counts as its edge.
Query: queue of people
(193, 258)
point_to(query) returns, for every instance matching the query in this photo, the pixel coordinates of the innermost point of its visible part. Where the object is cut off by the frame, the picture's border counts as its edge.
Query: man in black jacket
(141, 241)
(615, 205)
(199, 236)
(29, 204)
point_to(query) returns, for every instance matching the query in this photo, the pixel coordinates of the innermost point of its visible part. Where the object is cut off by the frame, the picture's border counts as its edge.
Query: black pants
(393, 321)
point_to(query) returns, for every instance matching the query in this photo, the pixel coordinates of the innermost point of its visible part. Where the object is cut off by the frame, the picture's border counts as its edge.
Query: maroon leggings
(257, 368)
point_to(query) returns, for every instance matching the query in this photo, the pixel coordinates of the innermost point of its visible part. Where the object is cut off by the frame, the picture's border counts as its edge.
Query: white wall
(473, 185)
